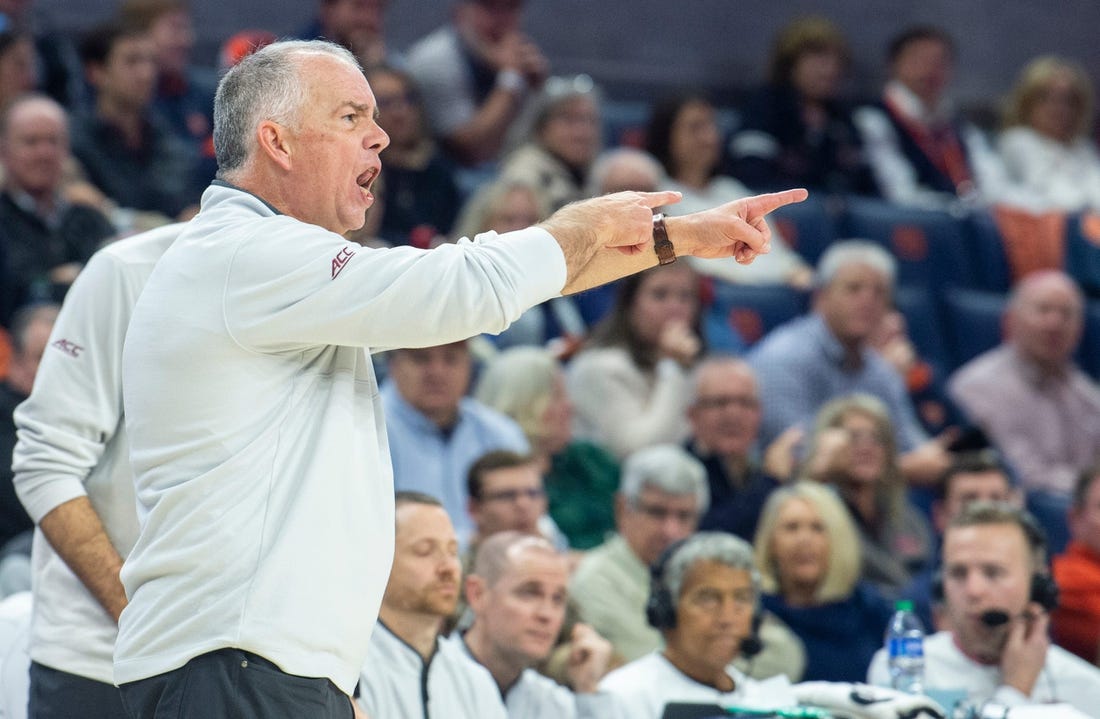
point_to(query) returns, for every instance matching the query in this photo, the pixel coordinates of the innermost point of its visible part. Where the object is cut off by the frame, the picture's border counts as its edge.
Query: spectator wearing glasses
(506, 493)
(724, 415)
(662, 495)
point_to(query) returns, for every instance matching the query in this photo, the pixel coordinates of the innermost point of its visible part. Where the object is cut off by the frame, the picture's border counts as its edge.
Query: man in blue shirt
(804, 363)
(435, 431)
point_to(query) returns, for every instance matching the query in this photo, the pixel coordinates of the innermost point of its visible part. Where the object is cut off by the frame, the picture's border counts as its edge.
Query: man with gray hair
(257, 434)
(624, 168)
(48, 231)
(804, 363)
(704, 598)
(662, 494)
(724, 414)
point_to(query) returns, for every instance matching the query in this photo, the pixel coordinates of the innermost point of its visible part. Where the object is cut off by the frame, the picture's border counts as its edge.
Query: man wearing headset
(703, 599)
(997, 596)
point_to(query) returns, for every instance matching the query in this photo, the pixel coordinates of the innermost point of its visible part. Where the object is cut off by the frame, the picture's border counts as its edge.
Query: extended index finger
(763, 204)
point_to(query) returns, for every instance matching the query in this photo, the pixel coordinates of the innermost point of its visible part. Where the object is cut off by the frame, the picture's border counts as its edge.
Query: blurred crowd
(924, 335)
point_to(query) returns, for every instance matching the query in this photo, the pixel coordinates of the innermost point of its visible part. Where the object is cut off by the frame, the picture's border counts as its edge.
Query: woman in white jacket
(1047, 148)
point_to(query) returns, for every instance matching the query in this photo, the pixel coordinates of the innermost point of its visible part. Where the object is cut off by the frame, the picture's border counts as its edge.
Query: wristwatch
(666, 251)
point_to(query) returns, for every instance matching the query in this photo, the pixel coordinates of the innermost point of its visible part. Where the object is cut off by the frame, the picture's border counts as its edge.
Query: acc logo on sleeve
(341, 260)
(70, 348)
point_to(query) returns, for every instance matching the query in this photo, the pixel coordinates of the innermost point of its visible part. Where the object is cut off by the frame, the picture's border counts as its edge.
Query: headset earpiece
(660, 610)
(752, 644)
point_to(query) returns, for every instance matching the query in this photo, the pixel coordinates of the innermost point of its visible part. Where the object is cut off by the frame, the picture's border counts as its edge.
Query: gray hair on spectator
(666, 468)
(719, 547)
(40, 99)
(713, 361)
(640, 161)
(854, 252)
(266, 85)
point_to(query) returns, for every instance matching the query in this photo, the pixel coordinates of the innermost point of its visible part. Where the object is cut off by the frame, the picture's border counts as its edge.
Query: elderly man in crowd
(517, 593)
(804, 363)
(662, 494)
(1032, 400)
(704, 599)
(46, 236)
(725, 420)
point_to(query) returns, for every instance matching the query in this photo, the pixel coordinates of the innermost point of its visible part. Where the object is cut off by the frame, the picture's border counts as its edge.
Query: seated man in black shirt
(45, 237)
(128, 151)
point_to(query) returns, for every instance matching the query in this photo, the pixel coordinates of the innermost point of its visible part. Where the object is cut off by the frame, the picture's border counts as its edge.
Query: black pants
(233, 684)
(59, 695)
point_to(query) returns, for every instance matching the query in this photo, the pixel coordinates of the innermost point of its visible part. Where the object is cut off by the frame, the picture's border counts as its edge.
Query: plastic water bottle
(905, 649)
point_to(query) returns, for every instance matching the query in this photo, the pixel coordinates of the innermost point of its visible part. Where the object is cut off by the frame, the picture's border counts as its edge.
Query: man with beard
(409, 672)
(997, 594)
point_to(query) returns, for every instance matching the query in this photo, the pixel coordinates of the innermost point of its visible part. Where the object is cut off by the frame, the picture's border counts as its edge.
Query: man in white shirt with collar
(411, 672)
(703, 598)
(258, 439)
(997, 594)
(517, 593)
(921, 151)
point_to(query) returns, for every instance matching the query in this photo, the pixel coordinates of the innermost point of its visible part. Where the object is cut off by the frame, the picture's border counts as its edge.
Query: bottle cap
(904, 605)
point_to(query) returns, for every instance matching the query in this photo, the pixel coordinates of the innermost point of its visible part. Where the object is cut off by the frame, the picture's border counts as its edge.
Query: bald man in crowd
(1031, 398)
(518, 596)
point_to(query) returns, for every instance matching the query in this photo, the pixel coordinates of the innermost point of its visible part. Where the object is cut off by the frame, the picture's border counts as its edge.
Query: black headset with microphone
(660, 608)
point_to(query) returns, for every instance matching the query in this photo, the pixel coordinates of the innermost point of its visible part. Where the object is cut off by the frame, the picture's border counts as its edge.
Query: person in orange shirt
(1076, 621)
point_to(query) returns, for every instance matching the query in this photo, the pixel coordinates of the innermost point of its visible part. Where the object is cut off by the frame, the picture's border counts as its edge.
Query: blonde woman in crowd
(1046, 146)
(807, 551)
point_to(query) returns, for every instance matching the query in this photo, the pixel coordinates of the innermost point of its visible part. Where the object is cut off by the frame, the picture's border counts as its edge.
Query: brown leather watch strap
(666, 251)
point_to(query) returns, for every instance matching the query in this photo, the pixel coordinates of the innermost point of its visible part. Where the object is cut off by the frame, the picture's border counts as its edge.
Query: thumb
(659, 199)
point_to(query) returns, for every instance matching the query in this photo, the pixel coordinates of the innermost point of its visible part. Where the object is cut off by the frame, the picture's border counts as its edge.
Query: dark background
(638, 49)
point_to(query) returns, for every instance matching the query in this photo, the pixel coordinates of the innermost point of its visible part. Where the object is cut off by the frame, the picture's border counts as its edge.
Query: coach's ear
(273, 140)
